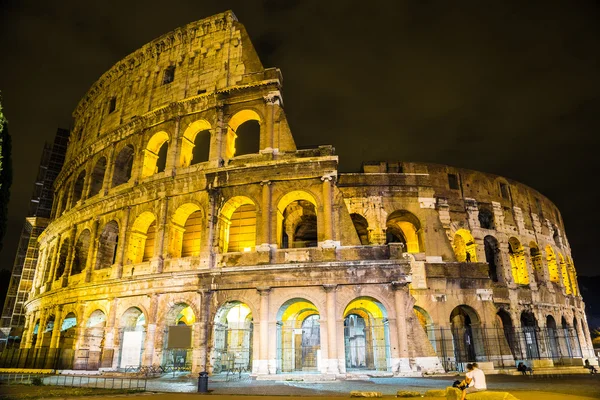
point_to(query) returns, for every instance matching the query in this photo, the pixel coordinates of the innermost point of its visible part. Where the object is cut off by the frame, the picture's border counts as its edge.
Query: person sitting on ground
(524, 368)
(475, 380)
(592, 369)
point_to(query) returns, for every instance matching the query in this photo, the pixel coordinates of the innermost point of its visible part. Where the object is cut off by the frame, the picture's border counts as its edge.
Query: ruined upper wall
(207, 55)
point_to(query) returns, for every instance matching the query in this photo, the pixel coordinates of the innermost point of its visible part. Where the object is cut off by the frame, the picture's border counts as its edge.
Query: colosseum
(190, 232)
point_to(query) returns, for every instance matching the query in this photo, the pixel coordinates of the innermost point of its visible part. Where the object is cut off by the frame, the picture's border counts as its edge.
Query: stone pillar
(161, 235)
(148, 356)
(79, 341)
(174, 150)
(217, 137)
(203, 329)
(271, 101)
(42, 327)
(263, 343)
(55, 339)
(89, 265)
(332, 360)
(122, 245)
(70, 256)
(53, 263)
(327, 212)
(109, 328)
(400, 295)
(109, 171)
(266, 239)
(28, 332)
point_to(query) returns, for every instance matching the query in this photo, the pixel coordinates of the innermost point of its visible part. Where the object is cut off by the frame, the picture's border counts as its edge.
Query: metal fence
(48, 358)
(456, 347)
(77, 381)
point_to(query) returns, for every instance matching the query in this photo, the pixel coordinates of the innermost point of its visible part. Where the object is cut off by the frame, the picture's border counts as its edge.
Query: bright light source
(247, 249)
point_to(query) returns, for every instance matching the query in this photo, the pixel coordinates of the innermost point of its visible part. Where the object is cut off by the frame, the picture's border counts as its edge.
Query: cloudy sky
(510, 88)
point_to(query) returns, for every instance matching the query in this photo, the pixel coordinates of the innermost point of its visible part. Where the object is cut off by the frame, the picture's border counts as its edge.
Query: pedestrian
(475, 380)
(468, 257)
(592, 369)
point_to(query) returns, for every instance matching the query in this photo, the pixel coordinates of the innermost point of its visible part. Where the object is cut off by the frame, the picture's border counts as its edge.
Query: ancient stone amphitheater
(191, 233)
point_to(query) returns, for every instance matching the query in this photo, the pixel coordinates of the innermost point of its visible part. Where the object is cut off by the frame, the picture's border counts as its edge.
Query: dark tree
(5, 173)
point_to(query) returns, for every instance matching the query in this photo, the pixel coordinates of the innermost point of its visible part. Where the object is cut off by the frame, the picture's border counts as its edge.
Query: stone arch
(81, 252)
(492, 256)
(123, 166)
(47, 330)
(133, 335)
(552, 265)
(63, 255)
(530, 328)
(464, 246)
(234, 123)
(97, 176)
(141, 238)
(237, 222)
(194, 139)
(107, 245)
(68, 332)
(297, 220)
(233, 332)
(178, 333)
(361, 225)
(404, 227)
(565, 274)
(62, 208)
(155, 154)
(518, 263)
(186, 231)
(78, 187)
(366, 335)
(467, 334)
(536, 260)
(552, 334)
(298, 318)
(48, 264)
(572, 276)
(93, 340)
(486, 218)
(509, 332)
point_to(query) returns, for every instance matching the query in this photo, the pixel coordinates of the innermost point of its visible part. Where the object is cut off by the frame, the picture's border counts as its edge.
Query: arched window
(486, 218)
(297, 220)
(552, 266)
(186, 231)
(81, 252)
(98, 177)
(361, 226)
(155, 154)
(195, 144)
(518, 263)
(529, 328)
(565, 274)
(492, 256)
(238, 225)
(536, 261)
(404, 227)
(141, 238)
(62, 259)
(107, 245)
(123, 166)
(244, 140)
(78, 187)
(464, 246)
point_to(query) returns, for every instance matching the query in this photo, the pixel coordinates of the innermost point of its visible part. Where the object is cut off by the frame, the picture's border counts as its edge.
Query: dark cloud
(506, 87)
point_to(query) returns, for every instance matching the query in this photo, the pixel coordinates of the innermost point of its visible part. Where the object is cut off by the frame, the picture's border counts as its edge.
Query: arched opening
(62, 259)
(517, 262)
(243, 139)
(530, 329)
(464, 246)
(566, 344)
(298, 337)
(34, 334)
(107, 245)
(508, 330)
(133, 325)
(78, 187)
(556, 236)
(552, 335)
(47, 333)
(66, 341)
(81, 252)
(536, 260)
(572, 276)
(195, 144)
(366, 335)
(155, 154)
(63, 203)
(486, 218)
(178, 334)
(237, 225)
(141, 239)
(552, 266)
(97, 178)
(427, 324)
(404, 227)
(492, 256)
(362, 228)
(467, 335)
(186, 230)
(565, 274)
(123, 166)
(576, 344)
(48, 265)
(297, 220)
(90, 350)
(232, 338)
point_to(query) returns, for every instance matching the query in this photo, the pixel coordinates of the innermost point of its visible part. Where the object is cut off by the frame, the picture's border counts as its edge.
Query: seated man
(592, 369)
(475, 380)
(524, 368)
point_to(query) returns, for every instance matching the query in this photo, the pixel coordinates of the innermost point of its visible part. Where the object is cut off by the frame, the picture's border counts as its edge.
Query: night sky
(510, 88)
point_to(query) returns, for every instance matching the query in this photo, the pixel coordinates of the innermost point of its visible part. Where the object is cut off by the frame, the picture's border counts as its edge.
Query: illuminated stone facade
(274, 260)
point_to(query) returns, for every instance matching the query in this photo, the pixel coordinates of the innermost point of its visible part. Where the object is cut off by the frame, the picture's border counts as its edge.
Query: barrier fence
(77, 381)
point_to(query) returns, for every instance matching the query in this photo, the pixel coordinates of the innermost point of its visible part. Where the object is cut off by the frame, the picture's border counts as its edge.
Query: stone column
(266, 237)
(327, 212)
(79, 341)
(203, 329)
(332, 356)
(161, 235)
(400, 295)
(148, 356)
(28, 332)
(217, 137)
(109, 328)
(41, 328)
(89, 265)
(109, 171)
(53, 263)
(268, 142)
(70, 256)
(263, 344)
(123, 229)
(174, 150)
(55, 339)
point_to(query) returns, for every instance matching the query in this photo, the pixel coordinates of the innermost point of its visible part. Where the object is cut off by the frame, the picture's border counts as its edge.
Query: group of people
(474, 381)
